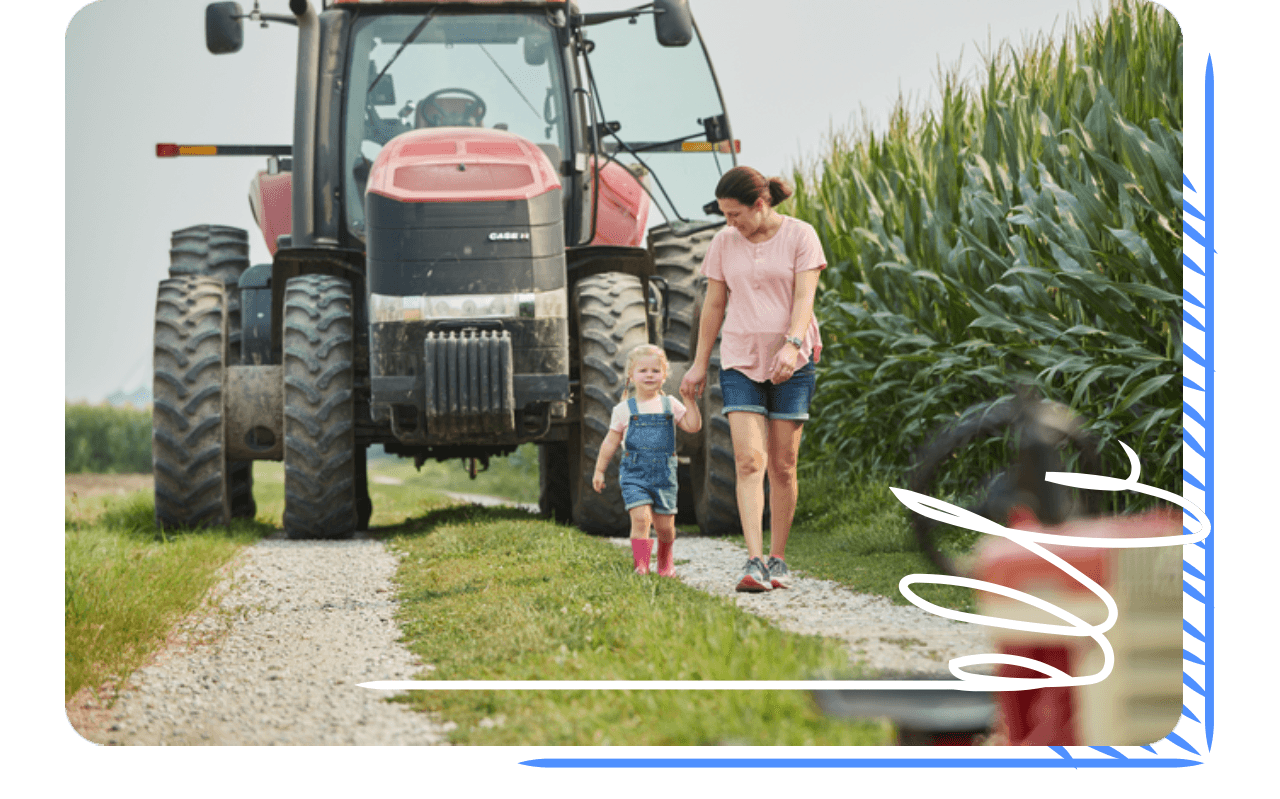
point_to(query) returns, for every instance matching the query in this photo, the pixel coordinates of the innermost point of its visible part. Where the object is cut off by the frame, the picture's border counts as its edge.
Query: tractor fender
(271, 201)
(623, 208)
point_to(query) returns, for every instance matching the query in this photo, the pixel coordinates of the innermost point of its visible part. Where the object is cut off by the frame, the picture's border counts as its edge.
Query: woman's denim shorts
(789, 400)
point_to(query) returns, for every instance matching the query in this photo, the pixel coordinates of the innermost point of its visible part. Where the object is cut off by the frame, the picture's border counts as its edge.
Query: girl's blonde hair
(644, 351)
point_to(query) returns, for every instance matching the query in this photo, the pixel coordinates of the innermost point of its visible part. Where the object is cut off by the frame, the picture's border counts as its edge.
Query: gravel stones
(301, 624)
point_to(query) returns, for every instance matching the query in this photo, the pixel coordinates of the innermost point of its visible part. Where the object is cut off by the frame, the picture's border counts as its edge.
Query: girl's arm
(713, 304)
(691, 422)
(607, 449)
(806, 288)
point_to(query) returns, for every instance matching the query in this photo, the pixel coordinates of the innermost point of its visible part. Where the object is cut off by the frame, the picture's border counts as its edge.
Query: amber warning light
(175, 150)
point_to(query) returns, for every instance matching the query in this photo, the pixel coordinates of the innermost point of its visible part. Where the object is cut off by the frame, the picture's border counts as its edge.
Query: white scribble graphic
(1032, 541)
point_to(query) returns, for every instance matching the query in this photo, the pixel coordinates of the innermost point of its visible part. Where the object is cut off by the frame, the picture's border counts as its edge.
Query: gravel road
(300, 623)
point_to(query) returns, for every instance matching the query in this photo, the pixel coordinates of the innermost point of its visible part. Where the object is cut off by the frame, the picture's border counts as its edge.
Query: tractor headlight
(513, 305)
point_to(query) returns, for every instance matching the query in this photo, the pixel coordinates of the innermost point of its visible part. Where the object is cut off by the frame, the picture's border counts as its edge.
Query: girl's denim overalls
(648, 471)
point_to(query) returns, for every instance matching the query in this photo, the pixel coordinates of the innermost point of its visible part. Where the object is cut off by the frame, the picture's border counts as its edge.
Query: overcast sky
(138, 73)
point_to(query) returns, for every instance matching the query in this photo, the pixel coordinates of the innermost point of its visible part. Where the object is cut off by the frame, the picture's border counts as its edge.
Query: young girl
(645, 425)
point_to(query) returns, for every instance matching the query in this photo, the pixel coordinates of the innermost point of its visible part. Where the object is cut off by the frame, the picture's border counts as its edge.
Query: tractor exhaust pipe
(304, 129)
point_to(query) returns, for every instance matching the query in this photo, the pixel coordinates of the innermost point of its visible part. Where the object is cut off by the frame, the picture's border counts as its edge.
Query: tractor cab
(595, 93)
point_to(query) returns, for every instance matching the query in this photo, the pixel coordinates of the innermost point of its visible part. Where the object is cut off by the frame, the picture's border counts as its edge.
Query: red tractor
(461, 259)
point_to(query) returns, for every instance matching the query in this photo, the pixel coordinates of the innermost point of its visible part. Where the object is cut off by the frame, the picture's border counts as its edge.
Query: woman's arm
(607, 448)
(806, 288)
(713, 305)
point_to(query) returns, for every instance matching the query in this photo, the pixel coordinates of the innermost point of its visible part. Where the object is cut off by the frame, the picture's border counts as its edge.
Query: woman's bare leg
(783, 449)
(749, 432)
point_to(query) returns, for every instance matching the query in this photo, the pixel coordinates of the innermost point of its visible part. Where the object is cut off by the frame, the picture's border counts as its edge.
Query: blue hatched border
(1198, 561)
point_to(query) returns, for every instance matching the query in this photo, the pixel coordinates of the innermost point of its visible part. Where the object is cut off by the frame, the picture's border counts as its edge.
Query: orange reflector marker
(174, 150)
(706, 146)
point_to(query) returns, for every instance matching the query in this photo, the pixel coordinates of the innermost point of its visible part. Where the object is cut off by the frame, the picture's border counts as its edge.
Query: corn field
(102, 439)
(1028, 230)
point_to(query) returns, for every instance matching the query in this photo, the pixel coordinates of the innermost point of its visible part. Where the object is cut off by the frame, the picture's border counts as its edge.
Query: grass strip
(490, 593)
(127, 584)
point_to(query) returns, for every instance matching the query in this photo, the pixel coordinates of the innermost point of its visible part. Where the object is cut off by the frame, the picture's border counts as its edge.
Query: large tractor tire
(187, 444)
(713, 473)
(319, 427)
(677, 259)
(554, 494)
(220, 252)
(611, 321)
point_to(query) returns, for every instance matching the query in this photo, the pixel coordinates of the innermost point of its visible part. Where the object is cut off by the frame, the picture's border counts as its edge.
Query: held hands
(784, 363)
(694, 382)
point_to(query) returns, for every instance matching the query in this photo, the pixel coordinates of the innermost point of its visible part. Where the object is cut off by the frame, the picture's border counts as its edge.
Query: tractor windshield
(669, 117)
(471, 70)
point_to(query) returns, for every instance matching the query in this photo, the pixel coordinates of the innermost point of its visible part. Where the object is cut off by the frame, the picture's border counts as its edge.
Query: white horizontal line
(672, 685)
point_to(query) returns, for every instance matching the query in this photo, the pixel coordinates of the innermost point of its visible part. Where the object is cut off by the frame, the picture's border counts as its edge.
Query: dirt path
(231, 688)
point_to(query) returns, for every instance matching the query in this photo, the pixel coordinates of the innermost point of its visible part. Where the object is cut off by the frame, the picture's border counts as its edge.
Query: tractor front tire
(220, 252)
(611, 321)
(187, 447)
(319, 426)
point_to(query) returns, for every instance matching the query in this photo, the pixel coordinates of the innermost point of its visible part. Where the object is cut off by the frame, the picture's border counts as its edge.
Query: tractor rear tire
(713, 472)
(187, 446)
(611, 321)
(677, 259)
(221, 252)
(319, 404)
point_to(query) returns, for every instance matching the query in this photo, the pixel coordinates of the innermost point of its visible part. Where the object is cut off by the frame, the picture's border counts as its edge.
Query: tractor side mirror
(384, 93)
(673, 22)
(535, 50)
(223, 31)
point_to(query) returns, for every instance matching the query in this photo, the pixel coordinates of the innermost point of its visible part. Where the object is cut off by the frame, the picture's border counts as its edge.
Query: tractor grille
(469, 382)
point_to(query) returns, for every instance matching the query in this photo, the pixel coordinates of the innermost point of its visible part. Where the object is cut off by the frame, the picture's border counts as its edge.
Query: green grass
(493, 594)
(127, 585)
(514, 477)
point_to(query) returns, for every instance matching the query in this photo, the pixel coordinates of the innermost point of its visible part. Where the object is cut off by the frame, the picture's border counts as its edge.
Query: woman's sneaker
(779, 574)
(755, 577)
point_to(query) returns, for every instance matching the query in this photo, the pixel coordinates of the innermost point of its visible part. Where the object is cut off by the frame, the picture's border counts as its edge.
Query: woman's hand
(784, 363)
(694, 382)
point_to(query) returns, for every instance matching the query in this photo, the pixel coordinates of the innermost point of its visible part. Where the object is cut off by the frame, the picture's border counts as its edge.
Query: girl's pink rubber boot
(641, 548)
(666, 559)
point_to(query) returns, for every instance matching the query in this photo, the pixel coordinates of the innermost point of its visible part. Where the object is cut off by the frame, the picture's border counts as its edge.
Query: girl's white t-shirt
(622, 412)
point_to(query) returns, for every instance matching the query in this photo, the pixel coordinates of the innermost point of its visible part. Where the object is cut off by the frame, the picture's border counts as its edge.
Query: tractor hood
(461, 165)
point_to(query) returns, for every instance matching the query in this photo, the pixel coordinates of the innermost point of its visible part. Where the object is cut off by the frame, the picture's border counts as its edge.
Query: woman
(762, 273)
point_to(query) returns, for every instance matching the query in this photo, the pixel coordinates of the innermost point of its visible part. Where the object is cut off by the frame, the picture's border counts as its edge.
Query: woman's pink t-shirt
(761, 280)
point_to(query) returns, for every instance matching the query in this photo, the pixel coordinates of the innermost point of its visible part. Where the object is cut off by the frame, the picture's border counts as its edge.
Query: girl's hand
(784, 364)
(597, 482)
(694, 382)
